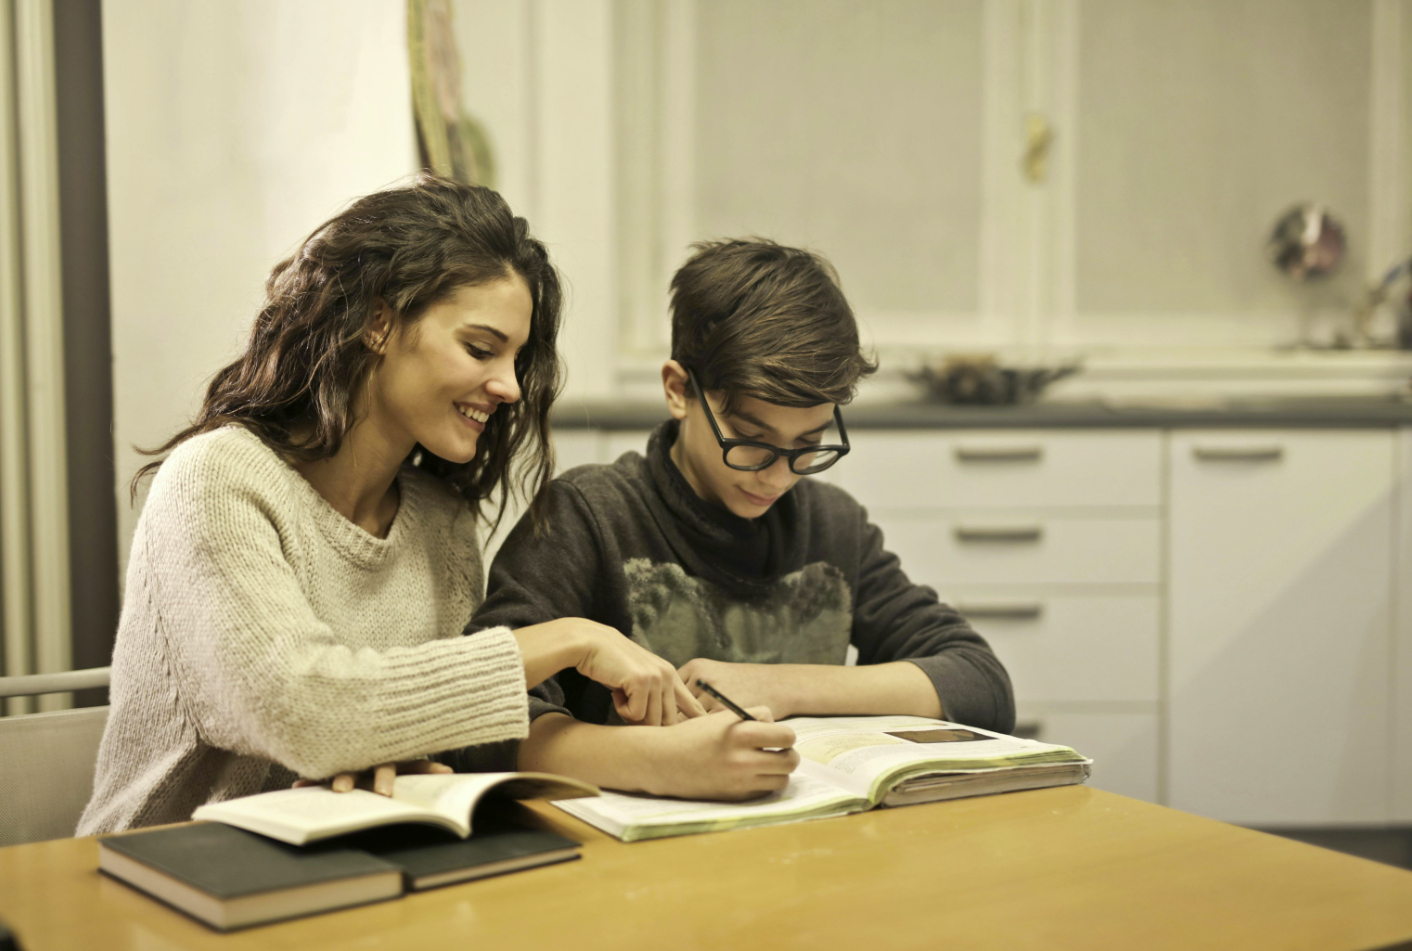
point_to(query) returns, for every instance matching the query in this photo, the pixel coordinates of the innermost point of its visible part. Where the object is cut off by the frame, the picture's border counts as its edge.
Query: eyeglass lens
(755, 457)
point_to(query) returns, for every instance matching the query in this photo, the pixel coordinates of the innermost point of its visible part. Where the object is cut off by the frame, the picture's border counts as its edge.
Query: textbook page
(632, 817)
(454, 795)
(300, 816)
(869, 755)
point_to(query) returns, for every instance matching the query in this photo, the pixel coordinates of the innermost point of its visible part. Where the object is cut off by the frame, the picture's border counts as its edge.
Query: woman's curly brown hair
(297, 385)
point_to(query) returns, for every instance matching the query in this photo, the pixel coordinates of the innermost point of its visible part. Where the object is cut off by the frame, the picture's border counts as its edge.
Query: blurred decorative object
(1039, 136)
(979, 379)
(451, 143)
(1307, 242)
(1404, 321)
(1393, 287)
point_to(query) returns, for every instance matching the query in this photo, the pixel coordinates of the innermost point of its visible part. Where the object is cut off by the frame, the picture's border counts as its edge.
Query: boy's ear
(674, 385)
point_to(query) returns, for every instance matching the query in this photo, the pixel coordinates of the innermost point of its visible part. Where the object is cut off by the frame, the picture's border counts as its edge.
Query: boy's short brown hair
(755, 318)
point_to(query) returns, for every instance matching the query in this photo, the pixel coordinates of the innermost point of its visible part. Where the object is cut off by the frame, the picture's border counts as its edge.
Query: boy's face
(698, 455)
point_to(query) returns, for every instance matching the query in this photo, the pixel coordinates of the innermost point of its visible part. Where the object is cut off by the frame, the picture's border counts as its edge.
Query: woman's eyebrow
(499, 335)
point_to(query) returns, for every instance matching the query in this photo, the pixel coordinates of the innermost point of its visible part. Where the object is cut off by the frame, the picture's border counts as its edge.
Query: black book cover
(497, 843)
(228, 863)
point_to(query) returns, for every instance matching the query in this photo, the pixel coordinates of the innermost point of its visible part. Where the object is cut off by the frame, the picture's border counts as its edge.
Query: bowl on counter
(981, 380)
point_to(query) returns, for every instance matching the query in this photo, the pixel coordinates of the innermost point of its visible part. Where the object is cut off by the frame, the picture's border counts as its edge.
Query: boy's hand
(721, 756)
(747, 684)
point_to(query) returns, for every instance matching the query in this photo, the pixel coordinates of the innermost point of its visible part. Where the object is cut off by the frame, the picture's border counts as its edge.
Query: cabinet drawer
(1069, 647)
(1123, 746)
(1000, 468)
(946, 550)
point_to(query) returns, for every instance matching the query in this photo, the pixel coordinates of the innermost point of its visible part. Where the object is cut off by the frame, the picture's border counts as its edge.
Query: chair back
(47, 759)
(47, 776)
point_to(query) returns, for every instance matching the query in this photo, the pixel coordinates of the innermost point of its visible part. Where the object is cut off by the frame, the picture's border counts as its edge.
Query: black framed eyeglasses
(749, 456)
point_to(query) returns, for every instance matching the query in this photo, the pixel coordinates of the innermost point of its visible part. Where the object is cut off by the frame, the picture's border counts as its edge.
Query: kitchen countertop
(1276, 413)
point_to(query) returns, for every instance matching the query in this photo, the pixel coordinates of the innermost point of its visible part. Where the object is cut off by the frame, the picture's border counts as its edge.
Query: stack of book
(299, 851)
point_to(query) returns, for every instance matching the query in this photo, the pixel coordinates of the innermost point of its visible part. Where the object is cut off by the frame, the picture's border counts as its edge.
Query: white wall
(234, 128)
(538, 74)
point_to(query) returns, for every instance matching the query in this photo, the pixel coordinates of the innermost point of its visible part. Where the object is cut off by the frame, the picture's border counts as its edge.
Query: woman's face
(443, 376)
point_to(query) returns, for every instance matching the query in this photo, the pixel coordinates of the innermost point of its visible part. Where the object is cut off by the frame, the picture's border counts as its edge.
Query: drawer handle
(999, 453)
(1271, 453)
(1002, 610)
(999, 533)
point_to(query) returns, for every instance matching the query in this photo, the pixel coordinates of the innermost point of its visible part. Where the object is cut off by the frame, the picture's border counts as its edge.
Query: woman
(307, 554)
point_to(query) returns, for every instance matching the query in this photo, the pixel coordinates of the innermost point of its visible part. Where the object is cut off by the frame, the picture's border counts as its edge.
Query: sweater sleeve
(259, 674)
(894, 619)
(534, 579)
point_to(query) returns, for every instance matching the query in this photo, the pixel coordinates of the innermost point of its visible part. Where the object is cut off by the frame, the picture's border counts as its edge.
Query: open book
(851, 764)
(311, 813)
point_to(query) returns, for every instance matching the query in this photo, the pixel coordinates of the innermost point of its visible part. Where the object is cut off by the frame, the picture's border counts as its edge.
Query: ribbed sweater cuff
(461, 691)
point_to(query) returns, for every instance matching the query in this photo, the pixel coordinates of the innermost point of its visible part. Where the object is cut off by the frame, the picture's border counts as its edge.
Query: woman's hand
(720, 756)
(646, 689)
(379, 778)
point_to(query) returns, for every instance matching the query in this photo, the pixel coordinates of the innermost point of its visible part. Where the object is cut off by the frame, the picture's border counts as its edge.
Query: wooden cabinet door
(1280, 600)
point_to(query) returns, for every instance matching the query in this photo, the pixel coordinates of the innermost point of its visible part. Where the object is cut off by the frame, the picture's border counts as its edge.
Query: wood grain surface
(1072, 867)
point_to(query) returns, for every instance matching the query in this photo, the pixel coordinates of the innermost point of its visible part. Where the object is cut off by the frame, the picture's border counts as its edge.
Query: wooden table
(1057, 868)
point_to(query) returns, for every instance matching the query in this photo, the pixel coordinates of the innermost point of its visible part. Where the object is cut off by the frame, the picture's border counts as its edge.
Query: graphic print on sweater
(803, 618)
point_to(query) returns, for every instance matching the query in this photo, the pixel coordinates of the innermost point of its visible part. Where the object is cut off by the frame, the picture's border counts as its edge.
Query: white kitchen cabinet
(1123, 746)
(1023, 547)
(1067, 647)
(1003, 469)
(893, 136)
(1402, 646)
(1280, 602)
(1176, 113)
(1050, 543)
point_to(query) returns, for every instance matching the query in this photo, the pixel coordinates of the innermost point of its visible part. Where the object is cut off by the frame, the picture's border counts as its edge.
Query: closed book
(431, 857)
(230, 878)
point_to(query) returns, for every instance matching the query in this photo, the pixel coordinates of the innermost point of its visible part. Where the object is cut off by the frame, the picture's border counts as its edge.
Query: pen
(730, 704)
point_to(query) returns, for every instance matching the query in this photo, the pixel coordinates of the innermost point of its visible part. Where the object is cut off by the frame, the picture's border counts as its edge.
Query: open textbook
(311, 813)
(851, 764)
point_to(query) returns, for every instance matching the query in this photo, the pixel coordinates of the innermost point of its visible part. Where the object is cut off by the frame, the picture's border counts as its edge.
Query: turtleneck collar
(747, 549)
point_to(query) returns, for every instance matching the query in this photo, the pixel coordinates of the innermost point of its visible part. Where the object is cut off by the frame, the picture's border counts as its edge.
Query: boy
(715, 553)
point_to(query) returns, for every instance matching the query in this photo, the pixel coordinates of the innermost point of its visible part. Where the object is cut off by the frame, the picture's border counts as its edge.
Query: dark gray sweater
(632, 546)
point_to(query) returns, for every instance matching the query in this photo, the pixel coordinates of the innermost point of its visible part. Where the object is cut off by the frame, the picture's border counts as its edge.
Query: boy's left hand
(749, 685)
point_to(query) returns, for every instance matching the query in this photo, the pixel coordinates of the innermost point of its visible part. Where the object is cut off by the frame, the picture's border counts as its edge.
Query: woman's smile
(473, 416)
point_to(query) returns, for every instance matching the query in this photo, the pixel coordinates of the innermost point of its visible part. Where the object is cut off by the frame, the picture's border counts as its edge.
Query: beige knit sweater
(265, 637)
